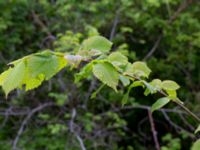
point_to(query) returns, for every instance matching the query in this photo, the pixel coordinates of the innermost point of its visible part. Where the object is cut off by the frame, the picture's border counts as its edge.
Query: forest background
(61, 114)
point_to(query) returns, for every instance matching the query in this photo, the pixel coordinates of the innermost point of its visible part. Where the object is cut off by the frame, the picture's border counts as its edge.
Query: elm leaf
(107, 74)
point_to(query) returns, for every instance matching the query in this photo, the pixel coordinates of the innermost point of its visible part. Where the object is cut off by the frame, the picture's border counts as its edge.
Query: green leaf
(117, 59)
(97, 43)
(139, 69)
(42, 66)
(107, 74)
(196, 145)
(125, 80)
(32, 83)
(170, 85)
(126, 95)
(138, 83)
(172, 94)
(31, 70)
(197, 130)
(13, 78)
(156, 83)
(84, 73)
(43, 63)
(160, 103)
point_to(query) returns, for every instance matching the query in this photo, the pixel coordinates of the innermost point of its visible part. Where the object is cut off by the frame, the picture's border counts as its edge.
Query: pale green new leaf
(160, 103)
(31, 70)
(152, 87)
(139, 69)
(197, 130)
(156, 83)
(196, 145)
(170, 85)
(84, 73)
(98, 43)
(117, 59)
(42, 66)
(107, 74)
(172, 94)
(43, 63)
(13, 77)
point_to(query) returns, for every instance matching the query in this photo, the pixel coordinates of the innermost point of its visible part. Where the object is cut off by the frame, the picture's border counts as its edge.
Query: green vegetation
(71, 44)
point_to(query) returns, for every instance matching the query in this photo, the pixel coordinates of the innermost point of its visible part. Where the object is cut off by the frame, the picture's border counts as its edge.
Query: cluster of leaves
(138, 25)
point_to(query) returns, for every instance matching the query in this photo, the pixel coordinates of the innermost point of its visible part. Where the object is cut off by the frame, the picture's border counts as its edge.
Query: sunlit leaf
(172, 94)
(197, 130)
(156, 83)
(117, 59)
(31, 70)
(139, 69)
(196, 145)
(13, 77)
(170, 85)
(97, 43)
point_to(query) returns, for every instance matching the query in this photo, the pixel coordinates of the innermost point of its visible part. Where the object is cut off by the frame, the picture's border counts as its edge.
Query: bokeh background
(60, 115)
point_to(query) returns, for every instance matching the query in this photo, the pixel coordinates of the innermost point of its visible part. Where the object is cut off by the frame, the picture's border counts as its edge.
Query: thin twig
(154, 47)
(71, 127)
(181, 8)
(145, 108)
(177, 101)
(114, 26)
(153, 130)
(25, 121)
(186, 122)
(41, 24)
(175, 125)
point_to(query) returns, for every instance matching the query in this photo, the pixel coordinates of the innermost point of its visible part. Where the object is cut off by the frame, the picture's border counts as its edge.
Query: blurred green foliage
(28, 26)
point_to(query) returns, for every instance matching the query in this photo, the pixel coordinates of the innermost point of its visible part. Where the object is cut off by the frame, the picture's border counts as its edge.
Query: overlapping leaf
(117, 59)
(139, 69)
(107, 74)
